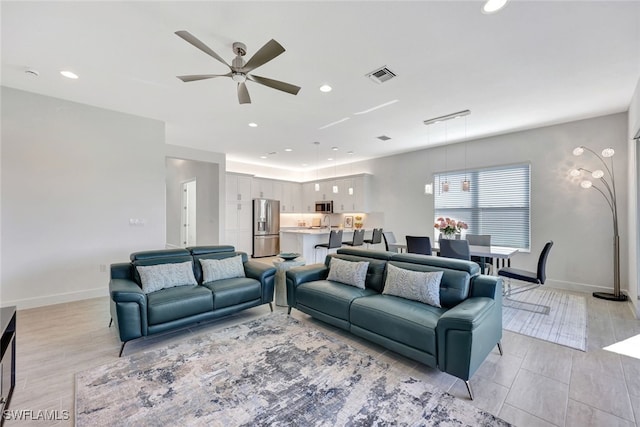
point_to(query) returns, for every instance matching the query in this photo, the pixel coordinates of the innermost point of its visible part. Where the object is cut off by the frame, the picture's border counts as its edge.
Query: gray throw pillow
(225, 268)
(161, 276)
(352, 273)
(414, 285)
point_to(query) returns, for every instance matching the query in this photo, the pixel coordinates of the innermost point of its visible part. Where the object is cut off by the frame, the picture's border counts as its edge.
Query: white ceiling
(532, 64)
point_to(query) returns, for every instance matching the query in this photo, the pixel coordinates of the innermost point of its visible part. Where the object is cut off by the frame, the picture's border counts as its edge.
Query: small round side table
(281, 279)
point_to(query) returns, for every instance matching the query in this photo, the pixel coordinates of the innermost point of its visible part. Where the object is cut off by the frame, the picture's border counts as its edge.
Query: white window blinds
(497, 203)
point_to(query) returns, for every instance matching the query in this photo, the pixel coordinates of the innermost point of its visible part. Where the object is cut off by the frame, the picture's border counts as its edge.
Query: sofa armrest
(299, 275)
(263, 273)
(486, 286)
(258, 270)
(466, 315)
(128, 309)
(467, 333)
(121, 270)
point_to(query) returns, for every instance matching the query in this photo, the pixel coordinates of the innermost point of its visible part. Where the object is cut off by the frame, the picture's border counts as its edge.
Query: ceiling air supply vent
(383, 138)
(381, 75)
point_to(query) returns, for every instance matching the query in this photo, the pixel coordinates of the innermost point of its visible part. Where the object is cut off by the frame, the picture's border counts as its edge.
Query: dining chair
(389, 238)
(357, 240)
(335, 241)
(481, 240)
(376, 237)
(419, 245)
(458, 249)
(533, 279)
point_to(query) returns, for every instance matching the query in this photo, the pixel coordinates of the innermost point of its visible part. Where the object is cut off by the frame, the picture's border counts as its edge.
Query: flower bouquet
(450, 227)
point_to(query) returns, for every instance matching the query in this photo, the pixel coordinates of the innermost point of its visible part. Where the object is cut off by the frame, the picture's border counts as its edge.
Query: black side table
(7, 356)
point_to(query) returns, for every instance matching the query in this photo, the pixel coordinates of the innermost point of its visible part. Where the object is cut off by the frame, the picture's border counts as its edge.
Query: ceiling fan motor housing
(239, 48)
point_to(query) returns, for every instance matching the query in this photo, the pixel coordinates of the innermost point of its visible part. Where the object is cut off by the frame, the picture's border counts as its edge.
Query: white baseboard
(41, 301)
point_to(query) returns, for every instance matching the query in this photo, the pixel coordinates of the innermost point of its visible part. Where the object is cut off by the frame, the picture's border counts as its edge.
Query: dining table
(501, 255)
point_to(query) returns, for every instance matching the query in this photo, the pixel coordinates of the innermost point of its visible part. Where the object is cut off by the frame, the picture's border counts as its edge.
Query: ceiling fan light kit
(239, 69)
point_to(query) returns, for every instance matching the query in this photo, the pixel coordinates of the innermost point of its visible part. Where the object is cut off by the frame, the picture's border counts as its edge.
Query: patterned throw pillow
(161, 276)
(352, 273)
(218, 269)
(414, 285)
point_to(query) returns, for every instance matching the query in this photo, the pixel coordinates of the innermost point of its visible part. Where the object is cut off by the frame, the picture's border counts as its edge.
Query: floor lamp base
(609, 296)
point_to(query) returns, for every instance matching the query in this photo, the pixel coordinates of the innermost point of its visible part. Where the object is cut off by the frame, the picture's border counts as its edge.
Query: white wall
(72, 178)
(578, 221)
(207, 192)
(634, 201)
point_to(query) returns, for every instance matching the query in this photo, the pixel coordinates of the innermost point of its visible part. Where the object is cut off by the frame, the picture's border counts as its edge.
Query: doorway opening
(188, 221)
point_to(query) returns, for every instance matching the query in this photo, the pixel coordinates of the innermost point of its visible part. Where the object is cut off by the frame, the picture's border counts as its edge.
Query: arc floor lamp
(608, 191)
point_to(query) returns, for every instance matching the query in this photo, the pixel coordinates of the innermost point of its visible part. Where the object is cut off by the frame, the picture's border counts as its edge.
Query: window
(497, 203)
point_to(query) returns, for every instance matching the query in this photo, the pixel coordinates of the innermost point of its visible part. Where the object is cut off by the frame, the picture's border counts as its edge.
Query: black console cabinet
(7, 356)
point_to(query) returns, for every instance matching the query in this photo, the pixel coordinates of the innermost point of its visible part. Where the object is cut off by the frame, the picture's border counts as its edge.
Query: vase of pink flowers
(450, 227)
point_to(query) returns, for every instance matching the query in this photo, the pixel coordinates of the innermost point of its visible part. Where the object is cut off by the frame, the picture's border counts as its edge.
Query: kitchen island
(304, 240)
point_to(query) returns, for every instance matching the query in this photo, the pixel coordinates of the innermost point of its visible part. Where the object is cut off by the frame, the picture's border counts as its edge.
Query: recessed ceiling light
(334, 148)
(492, 6)
(288, 150)
(325, 88)
(349, 152)
(69, 74)
(263, 157)
(330, 158)
(253, 125)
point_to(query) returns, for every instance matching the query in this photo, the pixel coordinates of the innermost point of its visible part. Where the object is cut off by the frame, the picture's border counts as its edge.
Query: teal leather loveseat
(456, 337)
(139, 312)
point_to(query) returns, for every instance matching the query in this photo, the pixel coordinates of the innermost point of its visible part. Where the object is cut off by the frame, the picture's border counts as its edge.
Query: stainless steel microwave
(324, 206)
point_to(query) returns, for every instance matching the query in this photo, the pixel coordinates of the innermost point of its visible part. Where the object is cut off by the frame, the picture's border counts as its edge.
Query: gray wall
(72, 177)
(207, 191)
(578, 221)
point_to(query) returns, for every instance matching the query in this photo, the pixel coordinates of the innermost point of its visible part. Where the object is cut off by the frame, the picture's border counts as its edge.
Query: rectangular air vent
(381, 75)
(383, 138)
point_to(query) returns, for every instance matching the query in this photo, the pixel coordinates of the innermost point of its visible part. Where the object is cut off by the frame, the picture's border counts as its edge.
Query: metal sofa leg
(500, 348)
(111, 322)
(468, 384)
(271, 307)
(122, 349)
(289, 311)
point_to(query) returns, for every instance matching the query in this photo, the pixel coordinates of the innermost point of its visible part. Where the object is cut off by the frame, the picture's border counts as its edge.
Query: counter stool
(376, 237)
(335, 242)
(358, 239)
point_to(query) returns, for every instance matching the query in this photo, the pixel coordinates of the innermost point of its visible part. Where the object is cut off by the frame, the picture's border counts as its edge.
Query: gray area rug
(548, 315)
(272, 371)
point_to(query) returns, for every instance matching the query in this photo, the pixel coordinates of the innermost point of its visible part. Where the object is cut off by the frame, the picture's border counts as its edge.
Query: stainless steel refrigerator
(266, 227)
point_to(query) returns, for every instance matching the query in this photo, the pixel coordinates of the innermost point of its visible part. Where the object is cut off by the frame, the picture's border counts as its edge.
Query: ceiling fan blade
(195, 77)
(265, 54)
(190, 38)
(243, 94)
(275, 84)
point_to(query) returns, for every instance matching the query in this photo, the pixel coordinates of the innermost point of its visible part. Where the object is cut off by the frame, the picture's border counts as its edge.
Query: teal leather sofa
(137, 314)
(455, 338)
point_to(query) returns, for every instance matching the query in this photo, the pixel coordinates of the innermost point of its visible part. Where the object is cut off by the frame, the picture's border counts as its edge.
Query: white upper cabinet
(262, 188)
(238, 188)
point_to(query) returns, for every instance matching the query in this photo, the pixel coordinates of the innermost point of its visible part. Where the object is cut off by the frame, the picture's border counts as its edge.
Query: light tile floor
(535, 383)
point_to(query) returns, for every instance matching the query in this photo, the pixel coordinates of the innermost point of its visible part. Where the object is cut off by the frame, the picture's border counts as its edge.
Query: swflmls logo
(31, 415)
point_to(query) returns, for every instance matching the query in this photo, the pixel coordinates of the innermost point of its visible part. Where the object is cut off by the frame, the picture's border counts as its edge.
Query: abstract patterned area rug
(548, 315)
(272, 371)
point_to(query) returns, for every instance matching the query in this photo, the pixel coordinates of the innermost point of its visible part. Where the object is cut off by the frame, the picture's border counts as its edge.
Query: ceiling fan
(239, 68)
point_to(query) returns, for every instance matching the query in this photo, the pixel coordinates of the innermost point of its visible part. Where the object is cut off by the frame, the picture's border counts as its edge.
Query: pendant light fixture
(317, 184)
(466, 184)
(335, 172)
(428, 187)
(445, 183)
(350, 190)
